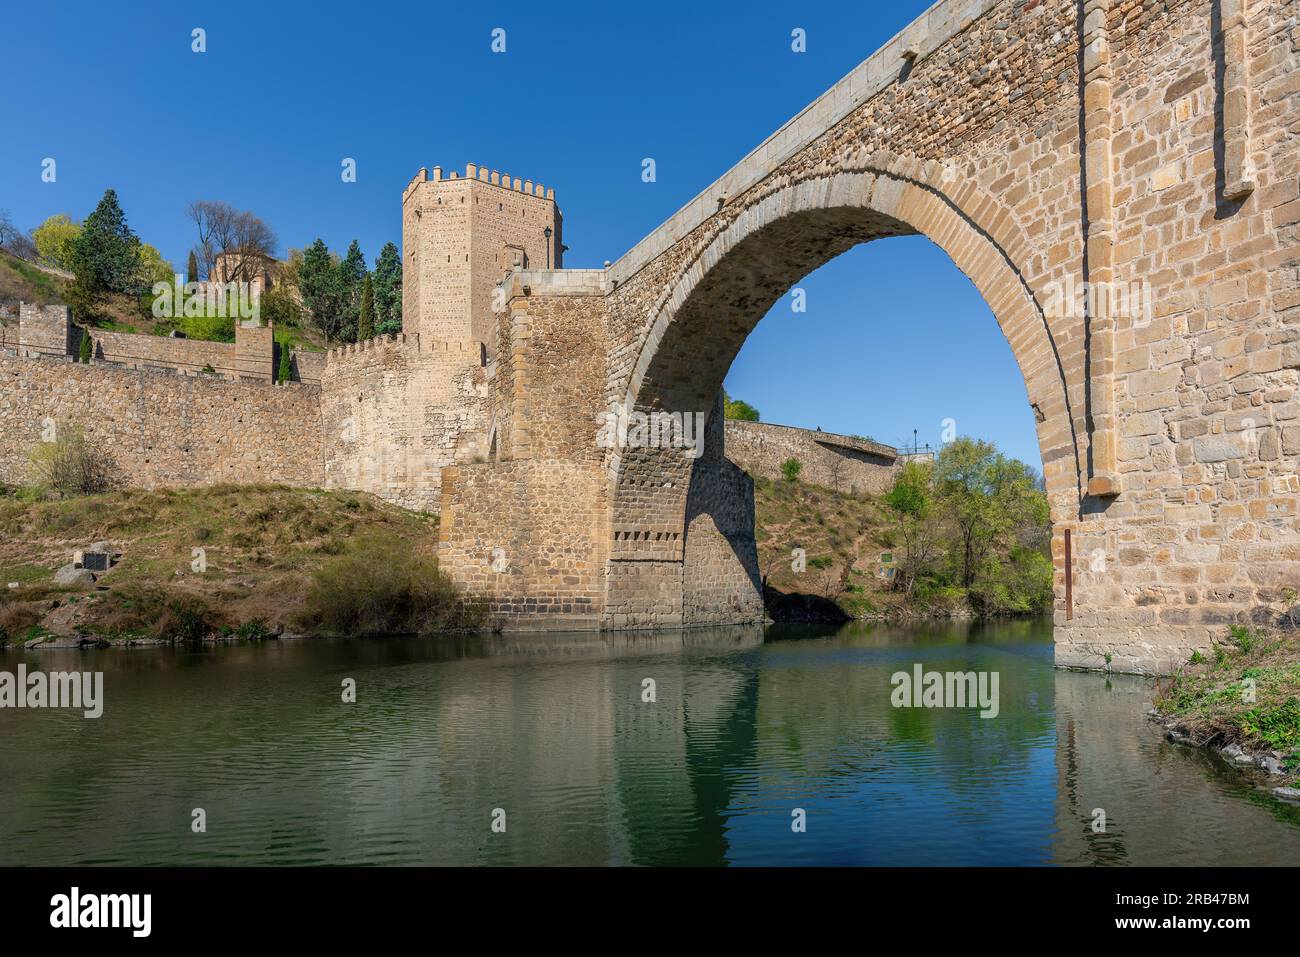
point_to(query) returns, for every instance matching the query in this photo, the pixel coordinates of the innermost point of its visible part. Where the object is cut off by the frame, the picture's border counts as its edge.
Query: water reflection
(744, 729)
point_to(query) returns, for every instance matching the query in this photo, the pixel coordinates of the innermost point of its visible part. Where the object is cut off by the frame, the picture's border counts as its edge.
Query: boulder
(72, 575)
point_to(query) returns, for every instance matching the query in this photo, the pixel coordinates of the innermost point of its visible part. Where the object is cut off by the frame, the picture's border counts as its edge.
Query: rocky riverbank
(1242, 700)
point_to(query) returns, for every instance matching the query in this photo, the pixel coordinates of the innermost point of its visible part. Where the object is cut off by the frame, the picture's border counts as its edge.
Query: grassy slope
(1207, 700)
(262, 544)
(843, 537)
(22, 282)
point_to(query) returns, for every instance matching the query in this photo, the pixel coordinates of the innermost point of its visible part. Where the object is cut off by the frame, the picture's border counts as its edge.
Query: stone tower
(460, 236)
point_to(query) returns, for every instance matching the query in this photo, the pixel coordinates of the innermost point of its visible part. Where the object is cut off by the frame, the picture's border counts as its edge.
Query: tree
(738, 409)
(285, 372)
(106, 255)
(366, 316)
(15, 241)
(55, 239)
(246, 241)
(280, 306)
(791, 468)
(192, 268)
(318, 283)
(388, 291)
(351, 276)
(85, 351)
(911, 503)
(986, 496)
(153, 268)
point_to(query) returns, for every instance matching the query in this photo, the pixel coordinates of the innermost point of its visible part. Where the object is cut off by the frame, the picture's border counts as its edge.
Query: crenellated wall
(396, 409)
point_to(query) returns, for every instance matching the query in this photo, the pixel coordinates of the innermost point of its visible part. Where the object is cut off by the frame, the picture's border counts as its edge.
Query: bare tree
(244, 238)
(14, 240)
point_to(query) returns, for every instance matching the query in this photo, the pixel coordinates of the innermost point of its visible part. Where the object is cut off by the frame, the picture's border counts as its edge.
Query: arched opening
(679, 535)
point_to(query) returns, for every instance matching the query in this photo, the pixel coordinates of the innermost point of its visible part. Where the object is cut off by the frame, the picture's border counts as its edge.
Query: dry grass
(262, 548)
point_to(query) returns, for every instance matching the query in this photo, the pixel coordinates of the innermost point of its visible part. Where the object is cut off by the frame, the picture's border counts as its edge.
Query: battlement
(480, 174)
(400, 341)
(460, 235)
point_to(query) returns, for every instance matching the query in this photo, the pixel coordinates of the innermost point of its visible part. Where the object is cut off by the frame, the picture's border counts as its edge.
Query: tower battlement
(461, 234)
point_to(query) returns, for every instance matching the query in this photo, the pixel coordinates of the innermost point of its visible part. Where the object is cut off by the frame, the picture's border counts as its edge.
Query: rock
(1271, 764)
(13, 584)
(72, 575)
(1287, 794)
(1232, 751)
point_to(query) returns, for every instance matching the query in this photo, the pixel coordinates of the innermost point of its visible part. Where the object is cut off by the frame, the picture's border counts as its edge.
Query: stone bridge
(1118, 178)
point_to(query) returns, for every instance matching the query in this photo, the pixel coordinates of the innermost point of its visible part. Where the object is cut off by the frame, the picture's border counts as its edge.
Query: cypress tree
(366, 317)
(192, 268)
(286, 364)
(85, 352)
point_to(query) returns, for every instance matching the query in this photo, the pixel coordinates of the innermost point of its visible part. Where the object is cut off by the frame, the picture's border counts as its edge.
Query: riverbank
(1242, 700)
(221, 563)
(827, 556)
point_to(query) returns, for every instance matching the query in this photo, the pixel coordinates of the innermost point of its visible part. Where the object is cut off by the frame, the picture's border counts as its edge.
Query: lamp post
(547, 233)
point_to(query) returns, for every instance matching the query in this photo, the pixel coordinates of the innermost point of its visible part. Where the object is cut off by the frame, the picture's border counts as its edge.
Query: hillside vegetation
(966, 535)
(21, 281)
(223, 560)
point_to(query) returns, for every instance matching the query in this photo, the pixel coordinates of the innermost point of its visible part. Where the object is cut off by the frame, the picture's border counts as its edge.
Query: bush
(382, 588)
(791, 468)
(70, 466)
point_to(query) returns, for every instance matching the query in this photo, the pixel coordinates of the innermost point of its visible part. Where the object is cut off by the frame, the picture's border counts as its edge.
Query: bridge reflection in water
(745, 728)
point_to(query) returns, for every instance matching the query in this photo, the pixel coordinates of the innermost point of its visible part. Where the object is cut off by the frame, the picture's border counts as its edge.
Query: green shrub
(383, 588)
(790, 469)
(70, 466)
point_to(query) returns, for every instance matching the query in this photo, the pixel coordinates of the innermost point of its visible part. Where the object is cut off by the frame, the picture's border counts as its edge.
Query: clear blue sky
(582, 94)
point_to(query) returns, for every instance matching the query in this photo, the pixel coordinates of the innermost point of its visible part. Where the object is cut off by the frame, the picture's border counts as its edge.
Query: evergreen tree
(192, 268)
(285, 372)
(351, 275)
(388, 291)
(318, 283)
(366, 315)
(85, 352)
(106, 253)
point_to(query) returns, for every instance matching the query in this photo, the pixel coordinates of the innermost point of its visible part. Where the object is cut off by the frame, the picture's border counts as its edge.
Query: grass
(1211, 701)
(224, 557)
(21, 281)
(842, 536)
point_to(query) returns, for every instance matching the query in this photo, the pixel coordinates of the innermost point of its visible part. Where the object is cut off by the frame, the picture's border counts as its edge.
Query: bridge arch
(672, 516)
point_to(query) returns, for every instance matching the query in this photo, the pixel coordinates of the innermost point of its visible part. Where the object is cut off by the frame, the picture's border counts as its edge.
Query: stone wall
(841, 462)
(530, 537)
(44, 330)
(395, 410)
(162, 429)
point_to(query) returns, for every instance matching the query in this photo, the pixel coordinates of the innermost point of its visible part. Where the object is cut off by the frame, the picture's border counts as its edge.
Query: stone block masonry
(841, 462)
(161, 429)
(1042, 146)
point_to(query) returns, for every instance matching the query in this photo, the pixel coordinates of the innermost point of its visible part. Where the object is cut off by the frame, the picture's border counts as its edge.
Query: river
(552, 738)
